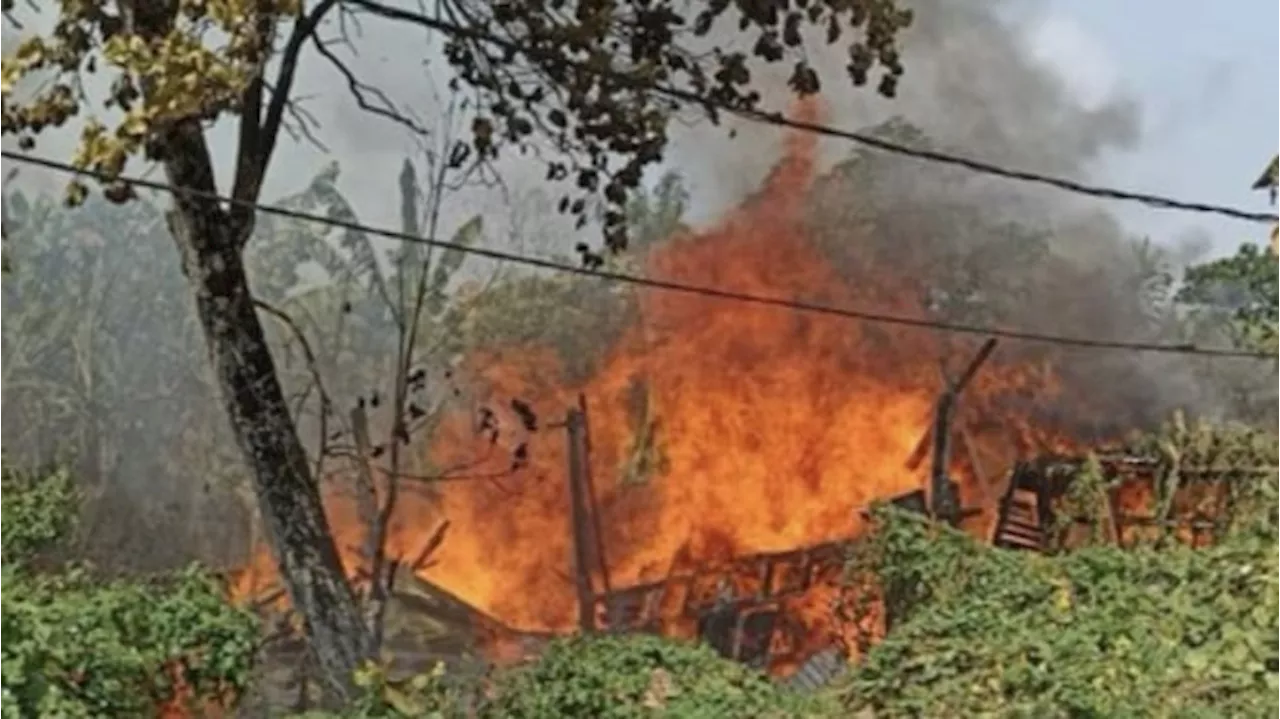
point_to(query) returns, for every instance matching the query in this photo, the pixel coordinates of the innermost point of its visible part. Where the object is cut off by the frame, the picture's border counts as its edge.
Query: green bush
(602, 677)
(1097, 632)
(38, 510)
(77, 646)
(640, 676)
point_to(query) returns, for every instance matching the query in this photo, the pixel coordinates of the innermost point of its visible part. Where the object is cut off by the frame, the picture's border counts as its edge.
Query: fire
(773, 427)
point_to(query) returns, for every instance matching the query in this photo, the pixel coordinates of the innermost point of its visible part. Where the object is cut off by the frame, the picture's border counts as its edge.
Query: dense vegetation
(79, 645)
(605, 676)
(1155, 629)
(1098, 632)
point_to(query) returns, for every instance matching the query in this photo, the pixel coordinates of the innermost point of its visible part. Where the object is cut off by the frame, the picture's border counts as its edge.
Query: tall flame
(773, 427)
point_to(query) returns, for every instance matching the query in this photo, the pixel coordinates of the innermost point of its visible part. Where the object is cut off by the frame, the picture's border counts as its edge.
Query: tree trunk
(288, 497)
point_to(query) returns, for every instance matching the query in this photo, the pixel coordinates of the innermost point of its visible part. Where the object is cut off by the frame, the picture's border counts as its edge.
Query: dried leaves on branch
(598, 81)
(601, 80)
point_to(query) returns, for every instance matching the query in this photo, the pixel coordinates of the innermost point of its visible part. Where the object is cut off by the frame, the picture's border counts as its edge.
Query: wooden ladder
(1023, 520)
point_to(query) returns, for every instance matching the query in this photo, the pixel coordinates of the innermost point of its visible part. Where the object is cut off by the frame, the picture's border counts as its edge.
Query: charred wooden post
(974, 364)
(588, 538)
(593, 504)
(944, 505)
(943, 495)
(580, 521)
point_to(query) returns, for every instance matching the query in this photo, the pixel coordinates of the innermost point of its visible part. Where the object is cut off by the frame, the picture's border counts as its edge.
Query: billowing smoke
(996, 252)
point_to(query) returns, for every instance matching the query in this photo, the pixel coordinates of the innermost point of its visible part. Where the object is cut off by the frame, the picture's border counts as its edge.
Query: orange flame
(774, 427)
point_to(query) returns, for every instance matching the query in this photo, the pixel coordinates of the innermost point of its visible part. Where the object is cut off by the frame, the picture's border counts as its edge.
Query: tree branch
(258, 135)
(358, 90)
(326, 403)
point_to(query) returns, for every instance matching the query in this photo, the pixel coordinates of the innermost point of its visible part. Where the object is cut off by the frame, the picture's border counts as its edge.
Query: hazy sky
(1206, 78)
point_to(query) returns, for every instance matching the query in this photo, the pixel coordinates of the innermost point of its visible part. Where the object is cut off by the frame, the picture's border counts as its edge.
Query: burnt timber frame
(944, 497)
(735, 604)
(739, 622)
(1044, 481)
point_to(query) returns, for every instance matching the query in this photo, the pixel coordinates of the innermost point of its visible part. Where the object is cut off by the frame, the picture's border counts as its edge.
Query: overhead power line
(667, 285)
(778, 119)
(1156, 201)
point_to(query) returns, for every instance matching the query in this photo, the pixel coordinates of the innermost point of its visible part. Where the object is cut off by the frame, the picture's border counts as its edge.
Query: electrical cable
(667, 285)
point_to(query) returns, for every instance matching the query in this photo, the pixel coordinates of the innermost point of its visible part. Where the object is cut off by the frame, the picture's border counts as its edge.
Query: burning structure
(730, 447)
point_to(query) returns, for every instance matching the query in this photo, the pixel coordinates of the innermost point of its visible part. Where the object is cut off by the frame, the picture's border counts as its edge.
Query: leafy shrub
(39, 509)
(425, 696)
(603, 677)
(639, 676)
(75, 646)
(1097, 632)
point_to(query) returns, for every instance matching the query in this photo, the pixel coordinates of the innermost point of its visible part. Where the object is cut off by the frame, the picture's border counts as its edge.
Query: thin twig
(304, 119)
(358, 90)
(326, 402)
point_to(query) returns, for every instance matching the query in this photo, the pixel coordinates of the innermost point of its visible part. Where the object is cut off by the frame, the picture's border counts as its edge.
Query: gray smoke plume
(1031, 258)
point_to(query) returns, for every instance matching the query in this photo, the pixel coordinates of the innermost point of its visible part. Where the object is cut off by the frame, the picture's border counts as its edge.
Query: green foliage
(1198, 471)
(1152, 282)
(1221, 447)
(368, 315)
(639, 676)
(423, 696)
(576, 318)
(77, 646)
(102, 354)
(1239, 293)
(1232, 301)
(604, 677)
(357, 300)
(39, 509)
(161, 69)
(1088, 497)
(653, 216)
(1097, 632)
(1235, 456)
(86, 289)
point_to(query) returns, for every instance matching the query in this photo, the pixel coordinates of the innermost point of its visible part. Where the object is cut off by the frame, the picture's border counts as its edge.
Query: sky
(1205, 75)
